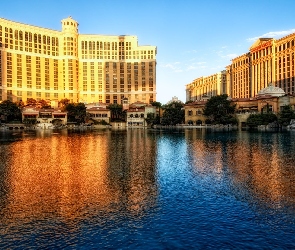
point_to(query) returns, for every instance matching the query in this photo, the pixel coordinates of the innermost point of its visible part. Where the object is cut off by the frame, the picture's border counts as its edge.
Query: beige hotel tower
(47, 64)
(268, 61)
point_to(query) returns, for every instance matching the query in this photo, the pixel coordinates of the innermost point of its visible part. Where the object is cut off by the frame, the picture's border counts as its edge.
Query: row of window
(198, 112)
(136, 115)
(264, 52)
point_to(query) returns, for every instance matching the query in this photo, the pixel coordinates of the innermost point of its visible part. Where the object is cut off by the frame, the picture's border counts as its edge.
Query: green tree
(286, 115)
(173, 114)
(10, 111)
(269, 118)
(220, 110)
(255, 120)
(117, 113)
(150, 119)
(158, 105)
(76, 112)
(31, 102)
(63, 102)
(43, 104)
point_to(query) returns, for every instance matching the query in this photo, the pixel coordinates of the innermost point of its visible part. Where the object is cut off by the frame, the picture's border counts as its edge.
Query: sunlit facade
(206, 86)
(269, 61)
(52, 65)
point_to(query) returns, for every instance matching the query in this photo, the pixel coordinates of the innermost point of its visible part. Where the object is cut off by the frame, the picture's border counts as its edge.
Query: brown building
(52, 65)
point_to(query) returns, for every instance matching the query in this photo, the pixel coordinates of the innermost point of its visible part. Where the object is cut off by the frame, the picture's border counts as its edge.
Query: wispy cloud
(229, 56)
(178, 67)
(174, 66)
(190, 51)
(194, 66)
(272, 34)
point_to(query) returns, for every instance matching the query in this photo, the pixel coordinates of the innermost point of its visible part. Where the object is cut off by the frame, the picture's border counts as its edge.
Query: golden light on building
(52, 65)
(269, 61)
(206, 86)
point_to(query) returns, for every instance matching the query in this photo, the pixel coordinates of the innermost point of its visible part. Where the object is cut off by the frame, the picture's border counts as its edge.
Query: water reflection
(146, 189)
(77, 176)
(260, 165)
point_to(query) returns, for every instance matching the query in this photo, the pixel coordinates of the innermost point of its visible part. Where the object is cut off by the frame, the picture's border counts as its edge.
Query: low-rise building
(98, 112)
(194, 113)
(137, 114)
(44, 117)
(270, 99)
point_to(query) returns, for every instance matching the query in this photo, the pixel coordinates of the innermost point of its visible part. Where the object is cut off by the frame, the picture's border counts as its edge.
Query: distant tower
(69, 25)
(69, 52)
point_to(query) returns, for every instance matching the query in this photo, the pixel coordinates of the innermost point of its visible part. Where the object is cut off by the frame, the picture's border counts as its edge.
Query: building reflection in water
(73, 177)
(262, 166)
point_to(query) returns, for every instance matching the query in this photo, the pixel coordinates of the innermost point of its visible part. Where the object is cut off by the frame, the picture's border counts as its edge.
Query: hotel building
(268, 61)
(206, 87)
(52, 65)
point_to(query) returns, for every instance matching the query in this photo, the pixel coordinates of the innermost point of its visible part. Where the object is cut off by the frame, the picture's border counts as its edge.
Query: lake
(147, 189)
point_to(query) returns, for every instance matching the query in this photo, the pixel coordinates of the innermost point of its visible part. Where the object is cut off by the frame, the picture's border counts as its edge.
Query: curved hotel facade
(52, 65)
(268, 61)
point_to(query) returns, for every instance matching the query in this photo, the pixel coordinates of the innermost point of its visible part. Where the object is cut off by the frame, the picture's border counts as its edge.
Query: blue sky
(194, 38)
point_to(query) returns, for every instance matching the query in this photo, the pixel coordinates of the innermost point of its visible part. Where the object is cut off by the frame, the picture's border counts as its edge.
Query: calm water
(141, 189)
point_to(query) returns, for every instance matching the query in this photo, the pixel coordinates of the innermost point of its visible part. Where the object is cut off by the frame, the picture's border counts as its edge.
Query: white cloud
(230, 56)
(190, 51)
(272, 34)
(227, 56)
(172, 66)
(178, 67)
(192, 67)
(195, 65)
